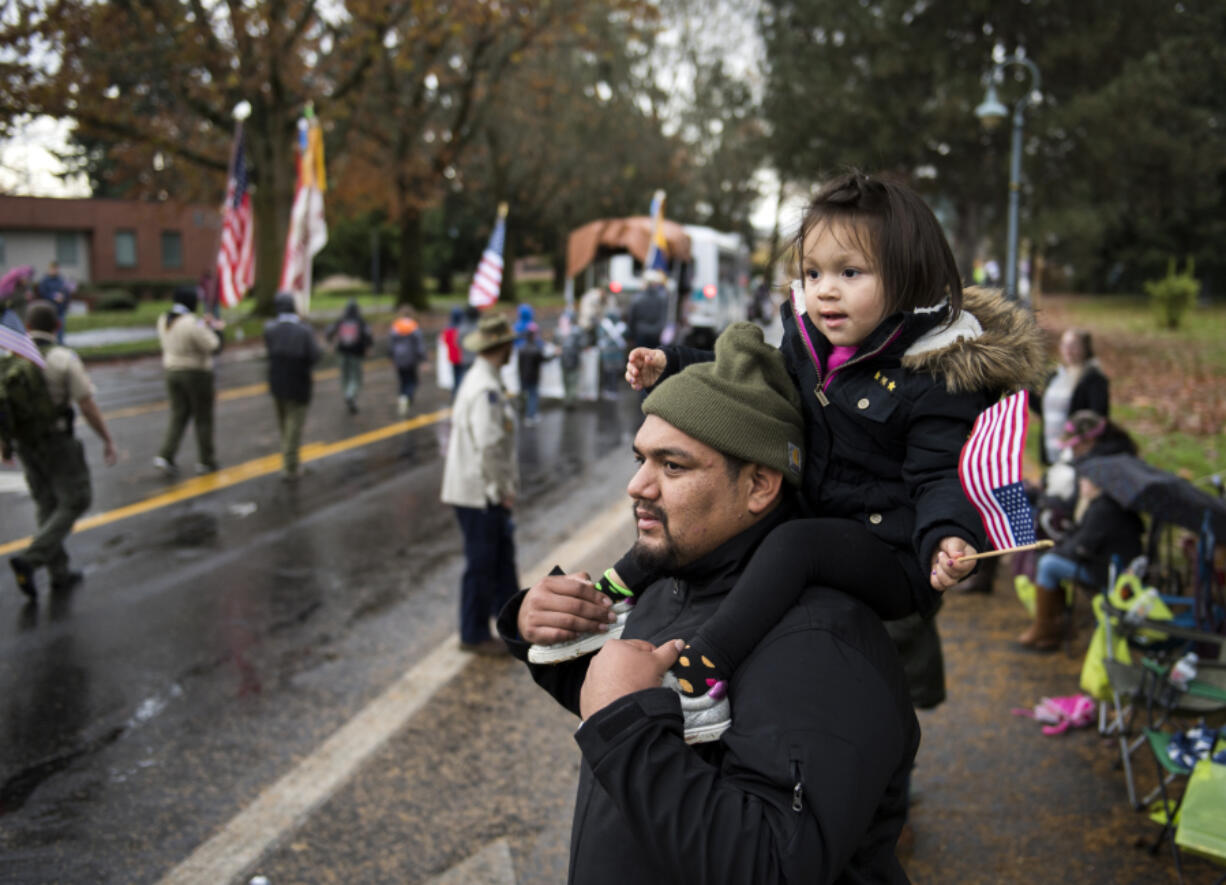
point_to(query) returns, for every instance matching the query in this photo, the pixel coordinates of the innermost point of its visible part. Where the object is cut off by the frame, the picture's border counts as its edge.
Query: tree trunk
(412, 290)
(966, 238)
(506, 293)
(270, 146)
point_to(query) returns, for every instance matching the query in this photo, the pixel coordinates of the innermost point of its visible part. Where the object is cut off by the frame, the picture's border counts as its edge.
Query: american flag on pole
(236, 254)
(990, 468)
(13, 338)
(308, 229)
(487, 281)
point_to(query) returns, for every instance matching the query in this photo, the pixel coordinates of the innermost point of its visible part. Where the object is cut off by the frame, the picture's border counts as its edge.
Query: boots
(1047, 630)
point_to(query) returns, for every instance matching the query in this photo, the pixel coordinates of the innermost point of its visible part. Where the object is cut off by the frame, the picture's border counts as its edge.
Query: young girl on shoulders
(893, 362)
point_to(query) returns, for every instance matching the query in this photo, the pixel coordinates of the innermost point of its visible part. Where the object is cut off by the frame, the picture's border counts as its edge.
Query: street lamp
(991, 112)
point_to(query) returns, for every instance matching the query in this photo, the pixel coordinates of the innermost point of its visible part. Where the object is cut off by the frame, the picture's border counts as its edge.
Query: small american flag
(13, 338)
(488, 279)
(236, 254)
(990, 468)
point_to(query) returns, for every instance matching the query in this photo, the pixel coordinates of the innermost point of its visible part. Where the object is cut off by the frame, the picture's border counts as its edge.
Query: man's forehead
(657, 437)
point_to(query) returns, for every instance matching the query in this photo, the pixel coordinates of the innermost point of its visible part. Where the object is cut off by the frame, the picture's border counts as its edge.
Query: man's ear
(764, 488)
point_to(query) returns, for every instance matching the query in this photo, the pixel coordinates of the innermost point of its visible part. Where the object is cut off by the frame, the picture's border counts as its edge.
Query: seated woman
(1104, 530)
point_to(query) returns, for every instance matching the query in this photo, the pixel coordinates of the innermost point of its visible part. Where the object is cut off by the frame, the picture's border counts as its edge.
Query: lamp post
(991, 112)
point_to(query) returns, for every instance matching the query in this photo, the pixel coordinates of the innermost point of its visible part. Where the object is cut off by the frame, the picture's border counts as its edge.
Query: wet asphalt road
(220, 640)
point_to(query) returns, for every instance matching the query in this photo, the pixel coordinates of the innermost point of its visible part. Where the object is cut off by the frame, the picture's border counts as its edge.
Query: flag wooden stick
(988, 554)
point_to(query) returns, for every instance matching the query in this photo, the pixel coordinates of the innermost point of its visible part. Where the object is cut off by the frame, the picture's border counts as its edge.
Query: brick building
(109, 242)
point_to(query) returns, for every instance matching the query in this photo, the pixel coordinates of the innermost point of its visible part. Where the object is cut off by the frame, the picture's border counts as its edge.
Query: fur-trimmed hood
(994, 344)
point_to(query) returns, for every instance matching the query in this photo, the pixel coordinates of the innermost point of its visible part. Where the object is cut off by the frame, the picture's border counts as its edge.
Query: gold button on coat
(875, 518)
(862, 404)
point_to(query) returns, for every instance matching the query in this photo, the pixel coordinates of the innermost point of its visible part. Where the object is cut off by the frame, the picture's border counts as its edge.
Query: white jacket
(481, 466)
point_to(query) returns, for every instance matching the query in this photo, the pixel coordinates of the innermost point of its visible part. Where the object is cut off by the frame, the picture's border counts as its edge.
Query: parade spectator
(1077, 383)
(480, 480)
(570, 340)
(648, 313)
(188, 346)
(525, 318)
(894, 362)
(41, 403)
(351, 336)
(532, 355)
(611, 344)
(450, 339)
(55, 288)
(408, 351)
(809, 784)
(292, 353)
(1105, 531)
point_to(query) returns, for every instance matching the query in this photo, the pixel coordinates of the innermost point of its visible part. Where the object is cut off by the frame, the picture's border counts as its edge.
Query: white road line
(283, 807)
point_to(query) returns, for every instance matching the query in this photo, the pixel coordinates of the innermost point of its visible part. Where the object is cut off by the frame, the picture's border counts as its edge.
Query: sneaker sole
(706, 733)
(568, 651)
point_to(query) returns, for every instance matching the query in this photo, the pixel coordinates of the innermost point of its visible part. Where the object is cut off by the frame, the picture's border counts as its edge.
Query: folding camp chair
(1207, 691)
(1135, 652)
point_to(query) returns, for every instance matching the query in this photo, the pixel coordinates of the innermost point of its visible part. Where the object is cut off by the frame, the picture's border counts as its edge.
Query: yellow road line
(230, 393)
(230, 476)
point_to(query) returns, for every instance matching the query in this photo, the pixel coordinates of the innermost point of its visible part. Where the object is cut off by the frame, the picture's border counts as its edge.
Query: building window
(125, 248)
(172, 250)
(66, 250)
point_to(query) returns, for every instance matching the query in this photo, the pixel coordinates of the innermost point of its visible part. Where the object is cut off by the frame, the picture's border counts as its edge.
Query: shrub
(1172, 296)
(114, 299)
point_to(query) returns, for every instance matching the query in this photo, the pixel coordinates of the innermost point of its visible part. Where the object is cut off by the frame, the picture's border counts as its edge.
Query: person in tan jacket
(188, 346)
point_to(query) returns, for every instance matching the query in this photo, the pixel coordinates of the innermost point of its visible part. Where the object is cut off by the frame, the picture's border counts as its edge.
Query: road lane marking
(230, 476)
(233, 851)
(226, 395)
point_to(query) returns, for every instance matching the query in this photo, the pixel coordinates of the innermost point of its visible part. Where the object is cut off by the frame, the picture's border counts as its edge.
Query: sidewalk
(996, 801)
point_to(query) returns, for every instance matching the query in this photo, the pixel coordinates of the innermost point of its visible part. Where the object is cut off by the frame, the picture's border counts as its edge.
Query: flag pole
(988, 554)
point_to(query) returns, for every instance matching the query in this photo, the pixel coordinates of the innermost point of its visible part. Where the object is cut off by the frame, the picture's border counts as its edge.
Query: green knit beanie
(743, 404)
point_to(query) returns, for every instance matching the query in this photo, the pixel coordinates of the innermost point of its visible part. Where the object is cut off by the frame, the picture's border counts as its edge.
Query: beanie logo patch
(794, 461)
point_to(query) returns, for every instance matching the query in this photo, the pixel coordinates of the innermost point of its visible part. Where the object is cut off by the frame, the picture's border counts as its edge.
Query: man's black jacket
(809, 783)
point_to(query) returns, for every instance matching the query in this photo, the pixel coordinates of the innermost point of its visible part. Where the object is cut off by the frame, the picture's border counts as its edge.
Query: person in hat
(480, 480)
(44, 400)
(188, 346)
(292, 353)
(808, 784)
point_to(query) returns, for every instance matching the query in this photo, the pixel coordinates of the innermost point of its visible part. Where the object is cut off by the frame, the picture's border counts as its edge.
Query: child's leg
(797, 554)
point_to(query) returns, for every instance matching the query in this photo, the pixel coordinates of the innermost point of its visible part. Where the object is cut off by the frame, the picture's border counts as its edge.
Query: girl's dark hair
(895, 229)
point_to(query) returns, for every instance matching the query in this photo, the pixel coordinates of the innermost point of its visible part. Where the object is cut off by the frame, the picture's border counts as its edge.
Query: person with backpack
(352, 339)
(36, 421)
(188, 346)
(292, 353)
(408, 350)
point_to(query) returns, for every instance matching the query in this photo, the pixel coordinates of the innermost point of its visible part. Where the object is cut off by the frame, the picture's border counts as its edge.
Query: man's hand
(559, 608)
(947, 569)
(109, 455)
(622, 667)
(644, 366)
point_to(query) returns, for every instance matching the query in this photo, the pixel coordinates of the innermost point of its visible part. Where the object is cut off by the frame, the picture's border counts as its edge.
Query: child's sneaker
(559, 652)
(576, 648)
(706, 716)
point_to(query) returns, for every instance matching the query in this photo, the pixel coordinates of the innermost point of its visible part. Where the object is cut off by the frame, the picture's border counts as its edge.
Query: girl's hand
(644, 367)
(946, 568)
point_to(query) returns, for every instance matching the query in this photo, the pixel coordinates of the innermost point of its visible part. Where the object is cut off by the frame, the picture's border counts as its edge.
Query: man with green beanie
(808, 780)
